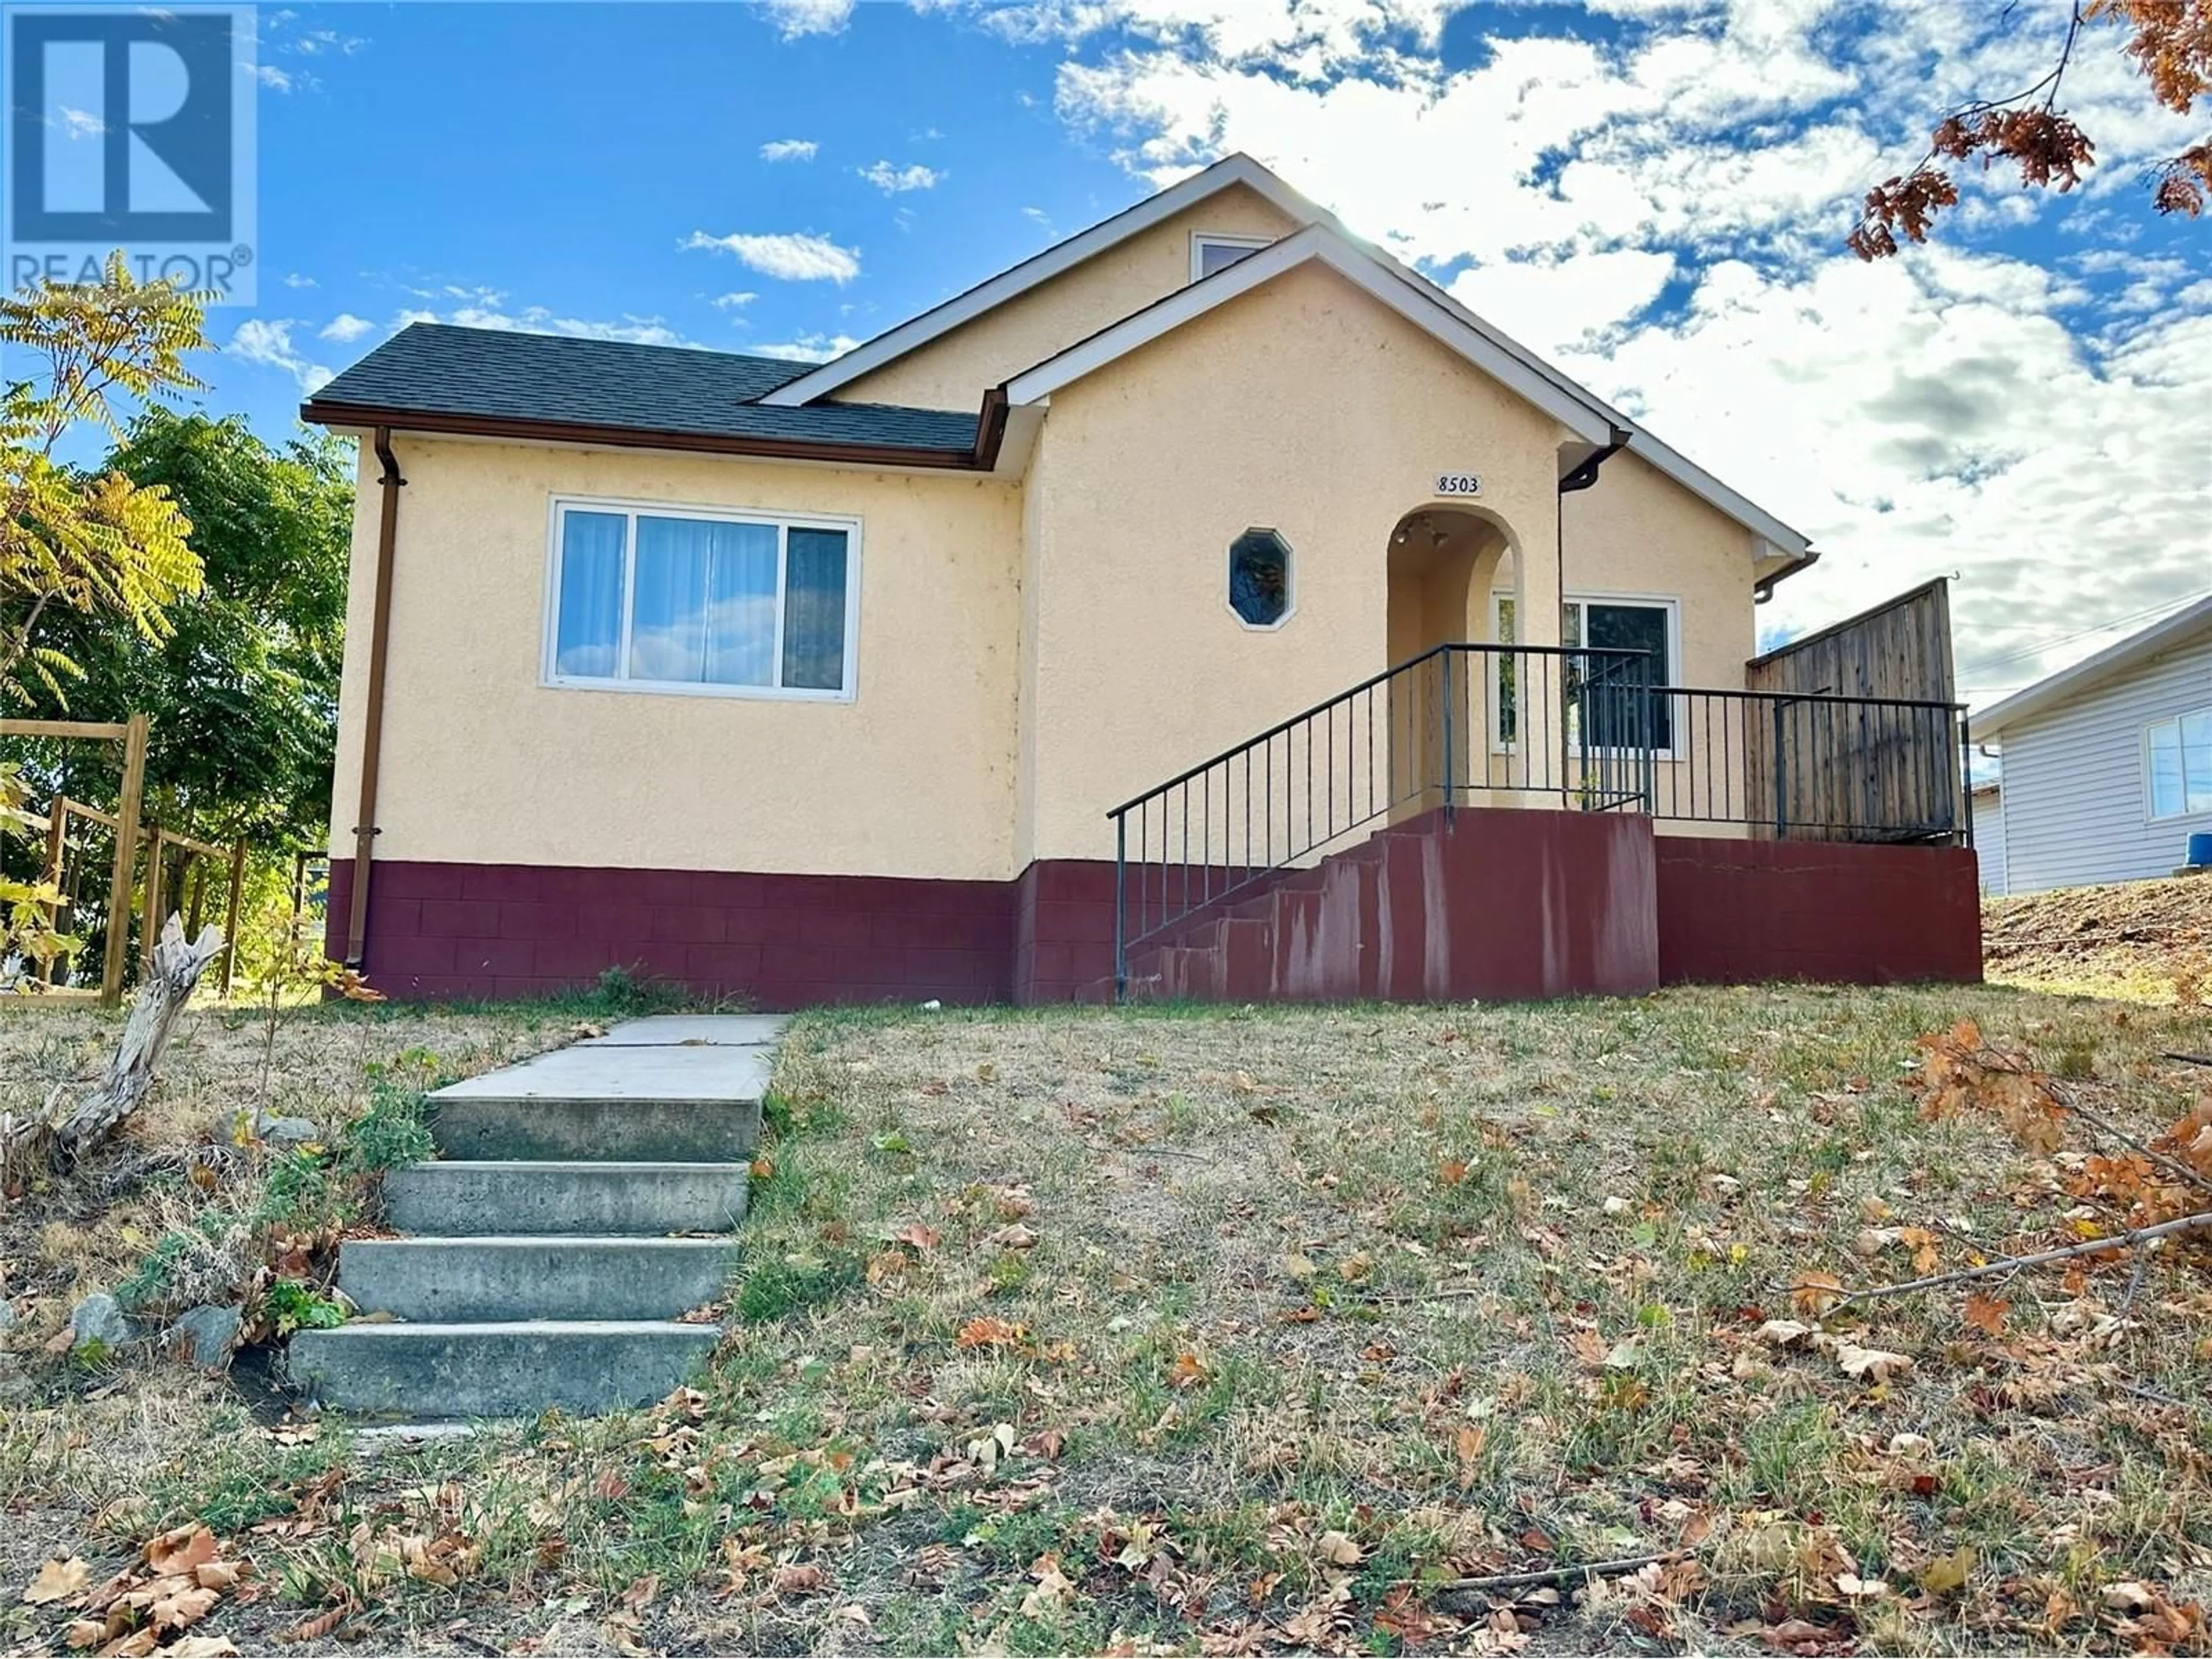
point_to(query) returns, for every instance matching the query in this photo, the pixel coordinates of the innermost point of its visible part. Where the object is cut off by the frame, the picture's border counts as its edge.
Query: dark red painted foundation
(1732, 912)
(1500, 904)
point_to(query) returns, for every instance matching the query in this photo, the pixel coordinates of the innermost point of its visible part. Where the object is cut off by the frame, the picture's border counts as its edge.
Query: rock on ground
(99, 1318)
(206, 1337)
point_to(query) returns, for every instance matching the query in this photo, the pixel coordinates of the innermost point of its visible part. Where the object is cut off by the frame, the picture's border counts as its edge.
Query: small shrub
(292, 1304)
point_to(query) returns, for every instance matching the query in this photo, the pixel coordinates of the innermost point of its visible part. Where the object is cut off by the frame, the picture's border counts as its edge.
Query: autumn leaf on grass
(1814, 1293)
(800, 1578)
(1469, 1442)
(181, 1550)
(1054, 1588)
(1985, 1313)
(1015, 1236)
(1949, 1573)
(1187, 1370)
(1451, 1171)
(916, 1235)
(1339, 1550)
(57, 1581)
(1869, 1364)
(986, 1331)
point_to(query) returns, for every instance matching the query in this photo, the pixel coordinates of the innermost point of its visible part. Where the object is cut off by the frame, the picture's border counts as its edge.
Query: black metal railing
(1460, 724)
(1814, 766)
(1515, 724)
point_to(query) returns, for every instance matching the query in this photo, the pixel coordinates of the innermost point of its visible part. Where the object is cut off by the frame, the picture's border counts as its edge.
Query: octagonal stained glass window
(1260, 578)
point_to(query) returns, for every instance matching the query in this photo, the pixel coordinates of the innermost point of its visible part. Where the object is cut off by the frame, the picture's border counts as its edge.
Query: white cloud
(807, 348)
(269, 344)
(793, 18)
(278, 80)
(732, 302)
(791, 257)
(81, 123)
(893, 180)
(346, 328)
(1659, 204)
(294, 279)
(788, 150)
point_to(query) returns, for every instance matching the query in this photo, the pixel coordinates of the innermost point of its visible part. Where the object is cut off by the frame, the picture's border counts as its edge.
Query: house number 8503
(1458, 483)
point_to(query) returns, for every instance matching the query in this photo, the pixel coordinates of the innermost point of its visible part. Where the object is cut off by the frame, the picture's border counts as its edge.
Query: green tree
(243, 689)
(76, 541)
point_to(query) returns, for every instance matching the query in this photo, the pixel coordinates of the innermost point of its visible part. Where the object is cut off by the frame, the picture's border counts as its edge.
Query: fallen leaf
(1986, 1313)
(1946, 1573)
(1784, 1332)
(1186, 1370)
(1814, 1293)
(799, 1578)
(988, 1332)
(1869, 1364)
(182, 1550)
(57, 1581)
(1452, 1172)
(1016, 1236)
(1339, 1550)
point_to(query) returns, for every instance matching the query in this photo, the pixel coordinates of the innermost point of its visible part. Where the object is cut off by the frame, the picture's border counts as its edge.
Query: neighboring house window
(1210, 253)
(1600, 621)
(676, 600)
(2181, 765)
(1260, 578)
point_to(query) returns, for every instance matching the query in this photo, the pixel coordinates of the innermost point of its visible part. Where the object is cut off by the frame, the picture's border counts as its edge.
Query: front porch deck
(1566, 729)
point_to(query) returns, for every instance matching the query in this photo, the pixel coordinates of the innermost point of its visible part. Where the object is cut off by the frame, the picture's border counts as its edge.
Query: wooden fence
(1882, 770)
(131, 836)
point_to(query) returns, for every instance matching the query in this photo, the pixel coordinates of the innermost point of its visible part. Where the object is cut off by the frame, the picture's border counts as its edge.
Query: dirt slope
(2146, 939)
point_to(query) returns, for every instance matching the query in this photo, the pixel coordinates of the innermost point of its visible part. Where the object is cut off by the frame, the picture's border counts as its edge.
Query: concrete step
(525, 1277)
(513, 1369)
(463, 1198)
(484, 1125)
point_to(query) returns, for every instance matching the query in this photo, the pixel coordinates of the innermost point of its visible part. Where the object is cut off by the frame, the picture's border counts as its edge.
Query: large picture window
(670, 599)
(2180, 765)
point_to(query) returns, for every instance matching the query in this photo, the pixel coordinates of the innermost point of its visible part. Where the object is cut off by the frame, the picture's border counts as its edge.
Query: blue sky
(1654, 192)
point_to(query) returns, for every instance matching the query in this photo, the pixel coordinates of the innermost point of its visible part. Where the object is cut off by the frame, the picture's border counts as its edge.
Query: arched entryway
(1444, 563)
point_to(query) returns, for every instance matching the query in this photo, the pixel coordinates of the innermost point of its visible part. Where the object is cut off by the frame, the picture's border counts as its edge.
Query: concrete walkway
(582, 1202)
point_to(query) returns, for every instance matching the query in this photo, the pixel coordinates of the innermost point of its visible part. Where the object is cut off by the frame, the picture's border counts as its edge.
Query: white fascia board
(2098, 666)
(918, 332)
(1358, 266)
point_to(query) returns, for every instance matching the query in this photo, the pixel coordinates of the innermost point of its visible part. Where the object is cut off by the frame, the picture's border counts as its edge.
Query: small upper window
(1210, 253)
(1260, 578)
(2181, 765)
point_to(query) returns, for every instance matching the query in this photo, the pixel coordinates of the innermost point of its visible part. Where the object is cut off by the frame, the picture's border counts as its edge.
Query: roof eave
(941, 319)
(979, 457)
(2053, 689)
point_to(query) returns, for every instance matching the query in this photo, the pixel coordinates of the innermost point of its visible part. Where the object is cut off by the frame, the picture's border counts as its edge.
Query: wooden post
(230, 915)
(56, 852)
(156, 896)
(126, 855)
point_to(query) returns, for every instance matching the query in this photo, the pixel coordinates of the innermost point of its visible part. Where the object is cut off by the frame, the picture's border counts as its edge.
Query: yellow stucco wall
(953, 371)
(1327, 418)
(916, 776)
(1030, 653)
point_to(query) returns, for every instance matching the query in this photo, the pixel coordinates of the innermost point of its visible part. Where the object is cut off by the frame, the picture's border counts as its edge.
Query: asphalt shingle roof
(436, 368)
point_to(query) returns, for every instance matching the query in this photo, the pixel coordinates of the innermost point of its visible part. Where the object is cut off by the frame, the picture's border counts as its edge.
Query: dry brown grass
(2145, 941)
(1323, 1306)
(66, 1237)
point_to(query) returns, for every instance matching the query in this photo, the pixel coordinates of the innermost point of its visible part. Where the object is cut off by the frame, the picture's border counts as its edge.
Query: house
(2107, 765)
(1988, 837)
(1209, 586)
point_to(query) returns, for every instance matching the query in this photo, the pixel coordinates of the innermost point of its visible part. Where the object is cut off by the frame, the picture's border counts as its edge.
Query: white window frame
(1671, 604)
(2151, 814)
(558, 506)
(1202, 240)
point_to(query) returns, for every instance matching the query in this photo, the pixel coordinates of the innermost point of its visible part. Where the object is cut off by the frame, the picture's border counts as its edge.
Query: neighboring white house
(2107, 765)
(1988, 837)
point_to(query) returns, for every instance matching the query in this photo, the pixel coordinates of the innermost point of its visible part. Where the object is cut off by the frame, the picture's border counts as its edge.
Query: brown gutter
(371, 739)
(982, 458)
